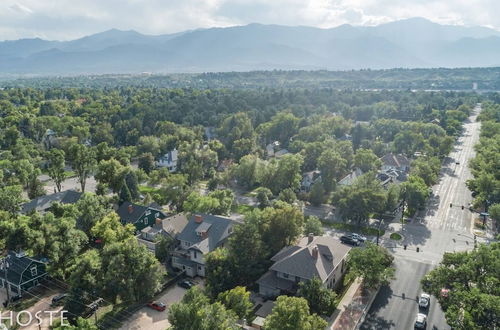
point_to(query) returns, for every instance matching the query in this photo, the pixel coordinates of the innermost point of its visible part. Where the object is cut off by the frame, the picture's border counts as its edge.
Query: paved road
(439, 229)
(396, 305)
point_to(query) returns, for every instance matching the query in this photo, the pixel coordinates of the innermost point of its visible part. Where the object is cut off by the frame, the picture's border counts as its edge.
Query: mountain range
(411, 43)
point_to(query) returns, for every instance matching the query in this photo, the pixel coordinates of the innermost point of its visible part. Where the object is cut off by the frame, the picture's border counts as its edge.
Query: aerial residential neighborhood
(224, 165)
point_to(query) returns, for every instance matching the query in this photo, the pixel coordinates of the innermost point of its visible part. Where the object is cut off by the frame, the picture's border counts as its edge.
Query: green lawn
(353, 228)
(243, 209)
(396, 236)
(147, 190)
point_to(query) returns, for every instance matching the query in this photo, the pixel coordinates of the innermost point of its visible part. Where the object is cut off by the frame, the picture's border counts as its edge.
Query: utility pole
(5, 265)
(378, 229)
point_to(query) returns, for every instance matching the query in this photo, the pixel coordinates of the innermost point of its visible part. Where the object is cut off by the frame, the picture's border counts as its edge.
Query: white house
(169, 160)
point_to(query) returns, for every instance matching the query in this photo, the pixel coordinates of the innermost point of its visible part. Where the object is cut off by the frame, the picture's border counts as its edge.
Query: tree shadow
(377, 323)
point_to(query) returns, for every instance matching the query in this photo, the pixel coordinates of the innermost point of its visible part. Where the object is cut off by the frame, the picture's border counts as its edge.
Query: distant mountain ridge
(408, 43)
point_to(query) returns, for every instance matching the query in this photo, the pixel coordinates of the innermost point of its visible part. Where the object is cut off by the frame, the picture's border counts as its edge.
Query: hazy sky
(69, 19)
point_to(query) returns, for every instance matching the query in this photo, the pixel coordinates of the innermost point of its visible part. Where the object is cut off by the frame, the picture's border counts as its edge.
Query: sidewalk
(353, 307)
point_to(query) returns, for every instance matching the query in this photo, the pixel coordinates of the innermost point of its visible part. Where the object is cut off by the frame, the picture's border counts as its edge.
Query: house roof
(395, 160)
(216, 233)
(299, 260)
(269, 279)
(175, 224)
(44, 202)
(133, 214)
(265, 309)
(170, 156)
(349, 178)
(18, 263)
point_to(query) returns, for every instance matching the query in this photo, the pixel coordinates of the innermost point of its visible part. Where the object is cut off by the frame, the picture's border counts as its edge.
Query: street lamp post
(378, 229)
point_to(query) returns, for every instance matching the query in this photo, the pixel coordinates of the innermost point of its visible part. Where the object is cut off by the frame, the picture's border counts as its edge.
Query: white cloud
(68, 19)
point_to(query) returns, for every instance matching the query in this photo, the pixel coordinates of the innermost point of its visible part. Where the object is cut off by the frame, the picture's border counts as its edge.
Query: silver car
(421, 321)
(424, 300)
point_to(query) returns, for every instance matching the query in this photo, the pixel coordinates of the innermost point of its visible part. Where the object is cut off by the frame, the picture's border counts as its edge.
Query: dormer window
(34, 271)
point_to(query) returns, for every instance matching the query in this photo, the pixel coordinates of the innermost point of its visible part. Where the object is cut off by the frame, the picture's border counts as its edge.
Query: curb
(367, 308)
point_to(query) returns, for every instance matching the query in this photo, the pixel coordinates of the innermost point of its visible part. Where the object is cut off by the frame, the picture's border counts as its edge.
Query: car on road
(424, 300)
(57, 300)
(186, 284)
(159, 306)
(358, 237)
(349, 240)
(420, 321)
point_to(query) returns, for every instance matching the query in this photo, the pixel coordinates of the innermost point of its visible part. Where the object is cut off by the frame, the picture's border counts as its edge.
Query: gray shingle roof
(130, 217)
(17, 266)
(217, 232)
(299, 261)
(175, 224)
(395, 160)
(44, 202)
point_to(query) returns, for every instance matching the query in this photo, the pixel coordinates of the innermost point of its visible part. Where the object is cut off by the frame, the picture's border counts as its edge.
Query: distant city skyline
(71, 19)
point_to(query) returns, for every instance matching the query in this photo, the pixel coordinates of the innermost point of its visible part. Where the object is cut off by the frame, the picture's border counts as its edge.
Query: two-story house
(169, 160)
(23, 272)
(203, 234)
(395, 162)
(171, 226)
(314, 256)
(138, 215)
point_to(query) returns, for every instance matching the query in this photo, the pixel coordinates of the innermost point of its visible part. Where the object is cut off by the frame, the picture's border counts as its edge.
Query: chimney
(130, 208)
(310, 238)
(198, 218)
(204, 234)
(158, 221)
(315, 252)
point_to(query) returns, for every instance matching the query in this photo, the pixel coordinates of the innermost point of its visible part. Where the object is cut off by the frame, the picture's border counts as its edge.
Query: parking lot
(147, 318)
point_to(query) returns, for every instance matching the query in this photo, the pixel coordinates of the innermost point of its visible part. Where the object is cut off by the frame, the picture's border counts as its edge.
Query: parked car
(159, 306)
(58, 299)
(424, 300)
(358, 237)
(420, 321)
(349, 240)
(186, 284)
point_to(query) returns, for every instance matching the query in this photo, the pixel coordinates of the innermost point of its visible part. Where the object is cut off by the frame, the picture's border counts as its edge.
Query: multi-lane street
(439, 229)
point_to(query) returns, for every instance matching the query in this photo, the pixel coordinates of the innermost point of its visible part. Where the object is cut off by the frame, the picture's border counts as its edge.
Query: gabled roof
(216, 233)
(349, 178)
(131, 213)
(175, 224)
(44, 202)
(18, 263)
(395, 160)
(170, 156)
(299, 260)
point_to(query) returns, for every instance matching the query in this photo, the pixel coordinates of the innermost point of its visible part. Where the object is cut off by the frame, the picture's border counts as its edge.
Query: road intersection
(439, 229)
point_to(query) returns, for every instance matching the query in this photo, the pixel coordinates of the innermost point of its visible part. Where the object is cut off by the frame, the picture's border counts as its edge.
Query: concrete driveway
(43, 305)
(147, 318)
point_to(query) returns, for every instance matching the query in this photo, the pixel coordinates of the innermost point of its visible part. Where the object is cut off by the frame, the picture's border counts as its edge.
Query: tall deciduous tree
(83, 163)
(321, 300)
(415, 193)
(292, 313)
(332, 167)
(373, 263)
(237, 300)
(55, 166)
(366, 160)
(473, 282)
